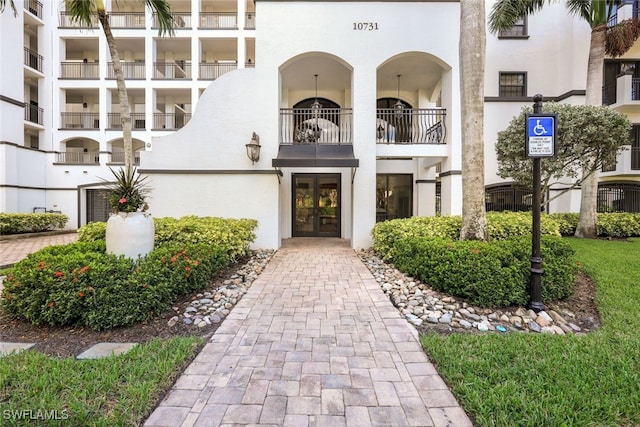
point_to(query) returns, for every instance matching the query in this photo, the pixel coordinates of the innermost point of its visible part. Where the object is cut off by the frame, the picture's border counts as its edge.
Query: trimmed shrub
(488, 274)
(232, 235)
(80, 284)
(17, 223)
(567, 222)
(618, 224)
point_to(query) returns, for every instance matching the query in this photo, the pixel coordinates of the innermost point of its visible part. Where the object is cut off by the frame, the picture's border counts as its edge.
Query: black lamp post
(535, 292)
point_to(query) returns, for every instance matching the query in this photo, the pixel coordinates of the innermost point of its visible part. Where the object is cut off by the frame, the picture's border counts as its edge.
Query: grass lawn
(115, 391)
(547, 380)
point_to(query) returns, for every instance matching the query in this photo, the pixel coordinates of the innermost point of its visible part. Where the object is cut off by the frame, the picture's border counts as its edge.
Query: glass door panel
(316, 205)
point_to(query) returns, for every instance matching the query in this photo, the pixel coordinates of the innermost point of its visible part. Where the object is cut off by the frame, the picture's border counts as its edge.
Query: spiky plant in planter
(130, 231)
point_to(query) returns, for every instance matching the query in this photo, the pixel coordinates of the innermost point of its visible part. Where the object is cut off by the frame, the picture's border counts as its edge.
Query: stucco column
(451, 175)
(425, 185)
(364, 146)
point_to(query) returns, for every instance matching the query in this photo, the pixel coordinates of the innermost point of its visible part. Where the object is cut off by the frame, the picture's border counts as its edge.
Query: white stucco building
(356, 106)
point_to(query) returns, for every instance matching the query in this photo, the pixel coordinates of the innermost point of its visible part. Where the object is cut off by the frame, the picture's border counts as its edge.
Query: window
(635, 147)
(519, 30)
(513, 84)
(394, 196)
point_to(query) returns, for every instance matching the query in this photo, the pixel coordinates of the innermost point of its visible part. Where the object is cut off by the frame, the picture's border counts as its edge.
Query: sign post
(541, 130)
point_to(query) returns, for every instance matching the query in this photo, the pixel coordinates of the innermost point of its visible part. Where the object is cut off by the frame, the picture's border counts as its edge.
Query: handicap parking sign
(541, 135)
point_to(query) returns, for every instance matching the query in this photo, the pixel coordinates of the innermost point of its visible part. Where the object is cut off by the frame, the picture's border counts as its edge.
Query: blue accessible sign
(541, 135)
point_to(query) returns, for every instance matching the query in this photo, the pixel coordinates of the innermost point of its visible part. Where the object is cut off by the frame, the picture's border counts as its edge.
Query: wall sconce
(253, 148)
(380, 132)
(84, 105)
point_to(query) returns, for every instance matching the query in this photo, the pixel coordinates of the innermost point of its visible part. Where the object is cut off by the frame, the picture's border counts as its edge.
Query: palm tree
(612, 41)
(13, 6)
(472, 58)
(83, 12)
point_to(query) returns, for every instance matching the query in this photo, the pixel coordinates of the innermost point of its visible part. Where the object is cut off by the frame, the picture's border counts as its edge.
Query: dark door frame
(316, 224)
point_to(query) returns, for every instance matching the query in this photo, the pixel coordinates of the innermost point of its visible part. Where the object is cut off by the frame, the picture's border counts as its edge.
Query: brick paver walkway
(314, 342)
(14, 249)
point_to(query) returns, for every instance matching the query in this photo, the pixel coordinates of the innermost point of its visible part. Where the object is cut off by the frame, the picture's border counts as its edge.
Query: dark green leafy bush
(17, 223)
(80, 284)
(610, 224)
(489, 274)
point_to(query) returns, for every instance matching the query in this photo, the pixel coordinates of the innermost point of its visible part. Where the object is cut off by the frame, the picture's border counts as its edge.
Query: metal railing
(137, 121)
(79, 70)
(35, 7)
(132, 70)
(219, 20)
(118, 157)
(74, 157)
(181, 20)
(170, 121)
(635, 89)
(410, 126)
(33, 113)
(618, 197)
(66, 22)
(609, 94)
(127, 20)
(508, 198)
(635, 158)
(250, 21)
(33, 59)
(172, 70)
(307, 126)
(213, 71)
(80, 121)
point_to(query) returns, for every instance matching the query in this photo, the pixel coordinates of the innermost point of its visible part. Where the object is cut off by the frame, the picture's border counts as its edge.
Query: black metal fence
(619, 197)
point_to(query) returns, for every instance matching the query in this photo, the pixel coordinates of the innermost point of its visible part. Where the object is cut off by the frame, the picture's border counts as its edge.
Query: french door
(316, 205)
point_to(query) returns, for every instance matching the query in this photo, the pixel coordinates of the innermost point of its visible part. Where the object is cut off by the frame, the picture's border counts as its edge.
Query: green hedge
(18, 223)
(488, 274)
(232, 235)
(610, 224)
(79, 284)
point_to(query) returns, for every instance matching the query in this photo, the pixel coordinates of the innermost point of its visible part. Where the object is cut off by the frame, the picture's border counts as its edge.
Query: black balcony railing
(219, 20)
(635, 158)
(308, 126)
(80, 121)
(35, 7)
(67, 22)
(609, 94)
(33, 113)
(131, 70)
(137, 121)
(172, 70)
(213, 71)
(33, 59)
(170, 121)
(79, 70)
(127, 20)
(410, 126)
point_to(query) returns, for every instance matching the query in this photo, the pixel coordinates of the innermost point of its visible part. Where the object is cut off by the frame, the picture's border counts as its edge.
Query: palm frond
(162, 9)
(621, 37)
(594, 12)
(505, 13)
(3, 3)
(81, 11)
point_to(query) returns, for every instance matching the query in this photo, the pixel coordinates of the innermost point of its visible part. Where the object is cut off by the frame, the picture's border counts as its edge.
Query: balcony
(623, 93)
(137, 121)
(66, 22)
(170, 121)
(131, 70)
(34, 7)
(410, 126)
(32, 59)
(127, 20)
(181, 21)
(218, 20)
(172, 70)
(78, 158)
(117, 158)
(33, 114)
(77, 121)
(213, 71)
(79, 70)
(305, 126)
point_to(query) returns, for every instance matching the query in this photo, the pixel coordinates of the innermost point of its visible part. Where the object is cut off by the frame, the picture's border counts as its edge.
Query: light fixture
(84, 105)
(380, 132)
(398, 106)
(316, 106)
(253, 148)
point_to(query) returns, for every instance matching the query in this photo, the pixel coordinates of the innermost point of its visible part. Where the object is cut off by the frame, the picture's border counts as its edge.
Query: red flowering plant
(128, 192)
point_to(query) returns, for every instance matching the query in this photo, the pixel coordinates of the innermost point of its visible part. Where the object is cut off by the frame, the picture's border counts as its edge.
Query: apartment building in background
(355, 106)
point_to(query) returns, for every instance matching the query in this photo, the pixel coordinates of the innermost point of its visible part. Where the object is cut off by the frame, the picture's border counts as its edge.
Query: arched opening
(117, 151)
(81, 151)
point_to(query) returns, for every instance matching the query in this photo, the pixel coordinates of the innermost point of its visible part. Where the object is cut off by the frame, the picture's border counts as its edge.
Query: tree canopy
(588, 137)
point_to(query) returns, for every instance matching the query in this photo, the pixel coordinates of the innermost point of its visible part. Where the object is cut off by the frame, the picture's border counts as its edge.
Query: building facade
(355, 105)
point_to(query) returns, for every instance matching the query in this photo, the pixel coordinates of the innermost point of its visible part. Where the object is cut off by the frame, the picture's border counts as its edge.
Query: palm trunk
(472, 63)
(589, 194)
(125, 109)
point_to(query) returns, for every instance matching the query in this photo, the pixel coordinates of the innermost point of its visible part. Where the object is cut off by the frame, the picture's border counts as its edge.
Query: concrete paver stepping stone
(106, 349)
(9, 347)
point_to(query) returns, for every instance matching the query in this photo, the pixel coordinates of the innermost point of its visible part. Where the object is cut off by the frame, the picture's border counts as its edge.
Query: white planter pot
(130, 234)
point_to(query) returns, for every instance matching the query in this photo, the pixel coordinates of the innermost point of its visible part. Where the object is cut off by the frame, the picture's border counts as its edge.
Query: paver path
(13, 250)
(314, 342)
